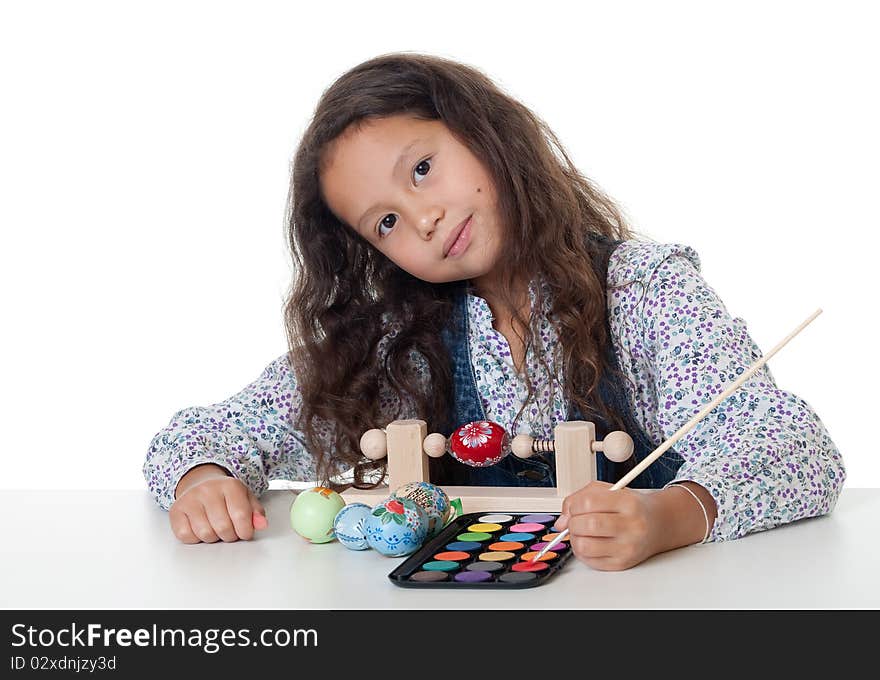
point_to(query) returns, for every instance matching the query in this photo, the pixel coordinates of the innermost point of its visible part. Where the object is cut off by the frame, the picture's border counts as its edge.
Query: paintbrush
(684, 429)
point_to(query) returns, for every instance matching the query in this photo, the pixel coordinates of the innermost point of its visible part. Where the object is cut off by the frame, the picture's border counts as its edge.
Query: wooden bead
(522, 446)
(435, 445)
(617, 446)
(374, 444)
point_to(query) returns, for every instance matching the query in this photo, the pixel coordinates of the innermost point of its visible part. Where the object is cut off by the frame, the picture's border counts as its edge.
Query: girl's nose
(428, 221)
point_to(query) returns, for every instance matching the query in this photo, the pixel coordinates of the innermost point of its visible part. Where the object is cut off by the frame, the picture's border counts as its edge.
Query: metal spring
(542, 446)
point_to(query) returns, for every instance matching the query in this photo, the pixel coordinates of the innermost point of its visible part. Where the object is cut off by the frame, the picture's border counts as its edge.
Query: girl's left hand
(609, 530)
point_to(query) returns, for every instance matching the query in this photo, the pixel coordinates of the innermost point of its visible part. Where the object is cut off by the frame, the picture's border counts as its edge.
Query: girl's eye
(426, 162)
(384, 223)
(416, 173)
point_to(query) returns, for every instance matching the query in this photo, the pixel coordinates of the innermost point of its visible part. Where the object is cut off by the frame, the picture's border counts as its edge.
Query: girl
(453, 265)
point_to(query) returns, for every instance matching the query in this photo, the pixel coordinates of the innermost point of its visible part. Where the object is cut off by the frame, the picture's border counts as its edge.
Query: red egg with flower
(479, 444)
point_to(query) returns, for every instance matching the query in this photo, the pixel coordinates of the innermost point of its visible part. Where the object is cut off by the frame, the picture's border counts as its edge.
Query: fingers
(589, 548)
(596, 525)
(258, 514)
(181, 528)
(192, 526)
(239, 514)
(259, 521)
(613, 563)
(608, 530)
(594, 497)
(217, 510)
(594, 537)
(606, 553)
(230, 514)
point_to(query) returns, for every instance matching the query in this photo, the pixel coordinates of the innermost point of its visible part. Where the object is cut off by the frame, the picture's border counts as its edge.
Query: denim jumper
(539, 469)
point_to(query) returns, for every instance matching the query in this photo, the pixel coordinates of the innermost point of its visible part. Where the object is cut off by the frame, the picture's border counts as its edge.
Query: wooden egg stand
(405, 442)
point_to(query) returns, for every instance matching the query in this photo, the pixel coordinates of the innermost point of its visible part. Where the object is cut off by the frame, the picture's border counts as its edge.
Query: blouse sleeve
(763, 453)
(249, 435)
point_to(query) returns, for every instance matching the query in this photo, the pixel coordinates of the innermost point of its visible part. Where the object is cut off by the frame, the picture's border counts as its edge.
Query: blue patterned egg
(349, 526)
(430, 498)
(396, 527)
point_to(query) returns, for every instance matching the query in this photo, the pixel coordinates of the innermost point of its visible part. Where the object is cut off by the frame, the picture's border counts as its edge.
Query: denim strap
(539, 469)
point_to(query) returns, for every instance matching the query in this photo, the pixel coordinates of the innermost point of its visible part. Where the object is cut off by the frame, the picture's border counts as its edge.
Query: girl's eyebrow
(402, 157)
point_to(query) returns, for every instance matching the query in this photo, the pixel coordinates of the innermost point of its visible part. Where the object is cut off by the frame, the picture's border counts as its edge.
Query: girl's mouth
(463, 240)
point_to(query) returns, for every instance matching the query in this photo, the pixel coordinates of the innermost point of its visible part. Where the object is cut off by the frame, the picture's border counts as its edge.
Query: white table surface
(115, 550)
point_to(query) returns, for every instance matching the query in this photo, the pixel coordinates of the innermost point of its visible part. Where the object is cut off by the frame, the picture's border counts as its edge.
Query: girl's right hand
(213, 506)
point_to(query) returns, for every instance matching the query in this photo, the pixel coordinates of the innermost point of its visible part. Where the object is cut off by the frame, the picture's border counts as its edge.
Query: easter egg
(396, 527)
(430, 498)
(313, 511)
(349, 526)
(479, 444)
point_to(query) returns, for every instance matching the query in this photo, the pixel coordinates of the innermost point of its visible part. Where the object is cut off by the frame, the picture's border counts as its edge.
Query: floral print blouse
(763, 453)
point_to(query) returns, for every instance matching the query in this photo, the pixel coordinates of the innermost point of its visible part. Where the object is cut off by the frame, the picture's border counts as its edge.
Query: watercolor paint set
(485, 550)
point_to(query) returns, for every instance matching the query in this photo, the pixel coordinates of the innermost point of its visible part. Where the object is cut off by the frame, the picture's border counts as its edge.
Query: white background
(144, 164)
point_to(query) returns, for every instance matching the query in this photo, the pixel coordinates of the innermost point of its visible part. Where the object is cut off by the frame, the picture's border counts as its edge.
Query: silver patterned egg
(349, 526)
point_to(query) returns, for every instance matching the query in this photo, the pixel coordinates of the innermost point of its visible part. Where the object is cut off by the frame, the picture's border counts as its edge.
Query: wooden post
(406, 460)
(575, 460)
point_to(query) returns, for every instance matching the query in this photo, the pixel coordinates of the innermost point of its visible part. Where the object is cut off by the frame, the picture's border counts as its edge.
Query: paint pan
(485, 550)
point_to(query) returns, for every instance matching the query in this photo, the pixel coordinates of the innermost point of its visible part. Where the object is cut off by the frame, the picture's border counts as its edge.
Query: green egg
(312, 514)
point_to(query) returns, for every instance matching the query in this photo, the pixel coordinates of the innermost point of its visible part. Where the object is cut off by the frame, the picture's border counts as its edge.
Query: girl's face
(407, 186)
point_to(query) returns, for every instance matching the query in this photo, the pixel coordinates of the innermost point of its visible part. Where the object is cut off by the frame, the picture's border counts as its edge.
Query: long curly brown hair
(346, 295)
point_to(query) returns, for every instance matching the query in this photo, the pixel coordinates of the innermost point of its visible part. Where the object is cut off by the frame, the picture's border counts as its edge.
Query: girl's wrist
(680, 515)
(197, 474)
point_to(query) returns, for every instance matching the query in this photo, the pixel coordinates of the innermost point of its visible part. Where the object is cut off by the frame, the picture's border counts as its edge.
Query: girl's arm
(763, 455)
(248, 435)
